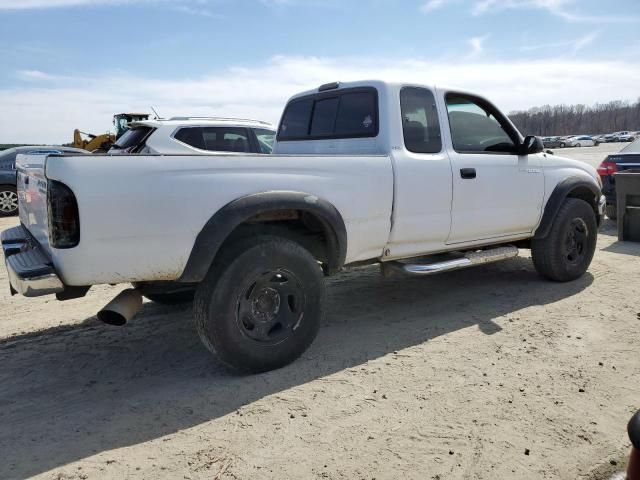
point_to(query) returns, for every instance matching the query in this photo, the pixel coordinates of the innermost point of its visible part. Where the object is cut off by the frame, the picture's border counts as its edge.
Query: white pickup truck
(361, 172)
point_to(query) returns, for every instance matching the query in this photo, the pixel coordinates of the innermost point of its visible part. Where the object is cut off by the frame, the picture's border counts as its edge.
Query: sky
(74, 63)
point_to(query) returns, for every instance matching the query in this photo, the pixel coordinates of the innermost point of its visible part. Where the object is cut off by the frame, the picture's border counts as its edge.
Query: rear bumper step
(31, 272)
(469, 259)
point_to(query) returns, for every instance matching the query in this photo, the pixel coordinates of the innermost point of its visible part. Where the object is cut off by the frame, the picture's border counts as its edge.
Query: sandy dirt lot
(486, 373)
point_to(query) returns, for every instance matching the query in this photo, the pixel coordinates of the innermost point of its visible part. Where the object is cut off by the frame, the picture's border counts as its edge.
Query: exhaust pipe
(122, 308)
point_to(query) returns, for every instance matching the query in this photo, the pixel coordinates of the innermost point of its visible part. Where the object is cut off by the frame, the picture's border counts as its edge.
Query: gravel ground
(486, 373)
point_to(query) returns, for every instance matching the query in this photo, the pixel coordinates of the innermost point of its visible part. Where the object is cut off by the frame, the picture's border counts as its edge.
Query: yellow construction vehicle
(103, 142)
(93, 143)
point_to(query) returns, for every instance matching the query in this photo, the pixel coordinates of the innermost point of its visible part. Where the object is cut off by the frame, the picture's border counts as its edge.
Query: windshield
(632, 147)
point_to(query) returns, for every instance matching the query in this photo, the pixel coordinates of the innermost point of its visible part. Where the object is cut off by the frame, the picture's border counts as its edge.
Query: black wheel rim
(270, 306)
(576, 241)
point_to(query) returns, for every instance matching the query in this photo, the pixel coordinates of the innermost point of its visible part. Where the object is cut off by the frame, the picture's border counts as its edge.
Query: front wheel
(562, 145)
(566, 252)
(260, 306)
(8, 200)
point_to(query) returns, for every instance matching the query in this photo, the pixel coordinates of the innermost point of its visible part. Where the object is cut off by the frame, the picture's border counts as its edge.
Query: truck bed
(140, 214)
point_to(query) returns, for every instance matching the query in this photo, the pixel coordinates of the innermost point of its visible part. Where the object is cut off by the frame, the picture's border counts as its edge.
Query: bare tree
(578, 119)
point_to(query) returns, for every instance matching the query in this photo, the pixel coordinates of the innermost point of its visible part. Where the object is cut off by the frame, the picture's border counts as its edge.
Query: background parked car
(8, 195)
(553, 142)
(580, 141)
(627, 137)
(194, 135)
(625, 159)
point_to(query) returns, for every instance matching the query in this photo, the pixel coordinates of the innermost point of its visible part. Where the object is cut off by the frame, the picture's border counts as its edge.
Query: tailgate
(32, 196)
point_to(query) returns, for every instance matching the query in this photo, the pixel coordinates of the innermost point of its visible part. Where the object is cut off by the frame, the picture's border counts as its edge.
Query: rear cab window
(346, 113)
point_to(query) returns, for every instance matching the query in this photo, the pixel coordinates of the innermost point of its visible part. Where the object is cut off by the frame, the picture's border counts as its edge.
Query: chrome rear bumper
(31, 272)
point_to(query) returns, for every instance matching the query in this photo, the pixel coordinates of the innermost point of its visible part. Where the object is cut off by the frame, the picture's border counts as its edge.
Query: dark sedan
(626, 159)
(8, 193)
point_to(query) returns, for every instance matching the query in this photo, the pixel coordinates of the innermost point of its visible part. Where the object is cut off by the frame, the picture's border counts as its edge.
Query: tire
(566, 252)
(260, 306)
(173, 298)
(8, 201)
(562, 145)
(611, 211)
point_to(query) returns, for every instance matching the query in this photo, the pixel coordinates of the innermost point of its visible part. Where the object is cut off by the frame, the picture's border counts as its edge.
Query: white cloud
(477, 45)
(33, 75)
(28, 4)
(572, 46)
(49, 107)
(432, 5)
(566, 9)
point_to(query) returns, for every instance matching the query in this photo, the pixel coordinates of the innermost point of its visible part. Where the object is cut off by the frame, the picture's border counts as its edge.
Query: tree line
(578, 119)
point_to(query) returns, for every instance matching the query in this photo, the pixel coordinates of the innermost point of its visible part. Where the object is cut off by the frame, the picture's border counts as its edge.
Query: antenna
(156, 113)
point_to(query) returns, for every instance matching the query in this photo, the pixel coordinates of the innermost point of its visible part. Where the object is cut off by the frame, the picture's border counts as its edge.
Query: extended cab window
(475, 128)
(420, 125)
(348, 113)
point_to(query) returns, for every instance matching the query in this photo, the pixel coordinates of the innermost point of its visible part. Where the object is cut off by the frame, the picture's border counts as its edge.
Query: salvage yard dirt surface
(487, 373)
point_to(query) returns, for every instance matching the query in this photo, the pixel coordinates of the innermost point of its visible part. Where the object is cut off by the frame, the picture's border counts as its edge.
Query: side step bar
(469, 259)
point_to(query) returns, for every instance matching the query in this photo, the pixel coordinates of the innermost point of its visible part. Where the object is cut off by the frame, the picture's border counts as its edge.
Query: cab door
(496, 192)
(422, 176)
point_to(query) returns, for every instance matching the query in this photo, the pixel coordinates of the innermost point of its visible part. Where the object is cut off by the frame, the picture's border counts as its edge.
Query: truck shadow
(625, 248)
(72, 392)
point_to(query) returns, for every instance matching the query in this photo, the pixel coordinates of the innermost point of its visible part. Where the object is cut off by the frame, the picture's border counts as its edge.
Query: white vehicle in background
(196, 135)
(580, 141)
(625, 136)
(419, 179)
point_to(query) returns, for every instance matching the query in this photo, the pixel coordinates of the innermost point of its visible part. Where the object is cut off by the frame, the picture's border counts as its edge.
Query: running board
(469, 259)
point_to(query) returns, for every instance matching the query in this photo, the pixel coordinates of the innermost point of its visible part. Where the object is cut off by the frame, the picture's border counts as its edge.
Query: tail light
(607, 168)
(64, 220)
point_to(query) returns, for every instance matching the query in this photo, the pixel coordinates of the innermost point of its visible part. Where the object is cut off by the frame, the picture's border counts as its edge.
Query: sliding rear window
(348, 113)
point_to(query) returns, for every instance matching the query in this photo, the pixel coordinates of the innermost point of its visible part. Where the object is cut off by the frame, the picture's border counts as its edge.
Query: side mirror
(530, 144)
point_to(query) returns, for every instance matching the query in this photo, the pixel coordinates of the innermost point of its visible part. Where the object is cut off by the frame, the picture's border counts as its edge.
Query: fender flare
(224, 222)
(557, 198)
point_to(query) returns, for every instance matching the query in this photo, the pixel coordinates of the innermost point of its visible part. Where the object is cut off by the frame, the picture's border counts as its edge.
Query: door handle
(468, 173)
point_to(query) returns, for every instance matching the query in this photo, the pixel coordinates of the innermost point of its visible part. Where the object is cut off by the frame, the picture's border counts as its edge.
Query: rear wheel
(8, 200)
(260, 306)
(566, 252)
(611, 211)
